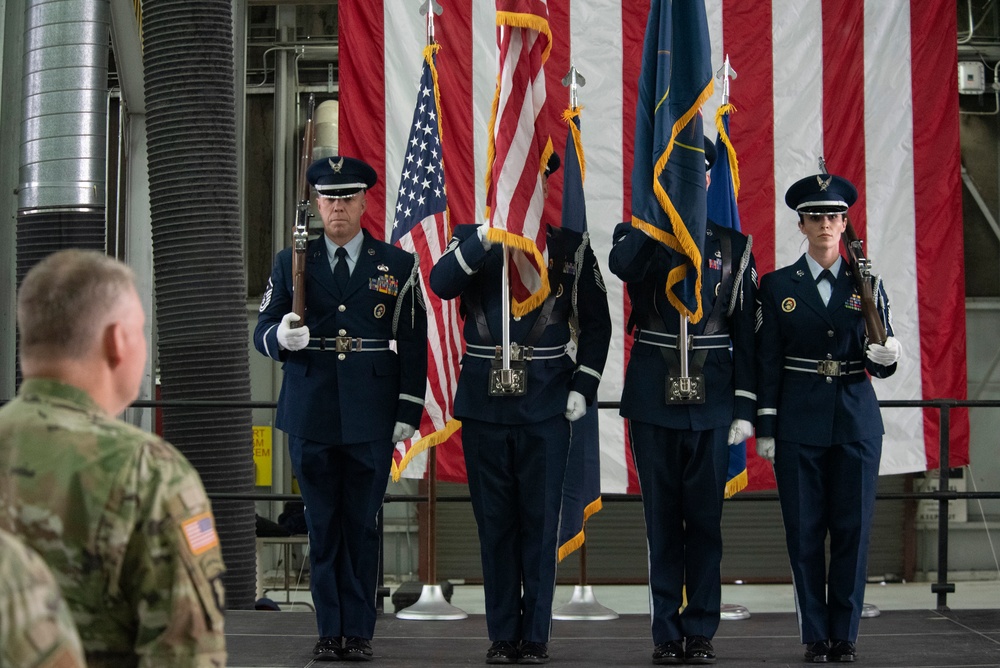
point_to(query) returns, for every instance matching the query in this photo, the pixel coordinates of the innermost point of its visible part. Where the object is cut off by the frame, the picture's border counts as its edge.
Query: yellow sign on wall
(262, 455)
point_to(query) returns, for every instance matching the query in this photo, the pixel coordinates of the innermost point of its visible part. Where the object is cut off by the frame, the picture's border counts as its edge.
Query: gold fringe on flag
(737, 484)
(574, 543)
(682, 242)
(734, 164)
(429, 441)
(568, 115)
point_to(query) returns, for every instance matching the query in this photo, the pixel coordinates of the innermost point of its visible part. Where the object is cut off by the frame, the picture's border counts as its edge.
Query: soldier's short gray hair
(66, 299)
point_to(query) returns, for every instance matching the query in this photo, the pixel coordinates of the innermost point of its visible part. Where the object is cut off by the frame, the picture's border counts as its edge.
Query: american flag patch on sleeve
(200, 533)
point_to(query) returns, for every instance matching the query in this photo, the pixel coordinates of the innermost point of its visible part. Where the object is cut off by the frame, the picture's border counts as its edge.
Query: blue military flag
(722, 210)
(668, 173)
(582, 489)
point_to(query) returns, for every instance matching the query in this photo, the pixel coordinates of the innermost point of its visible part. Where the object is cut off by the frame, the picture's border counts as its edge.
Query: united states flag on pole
(420, 225)
(519, 148)
(871, 85)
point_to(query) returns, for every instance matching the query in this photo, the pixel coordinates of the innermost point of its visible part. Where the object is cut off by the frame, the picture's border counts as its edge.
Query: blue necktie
(341, 274)
(825, 290)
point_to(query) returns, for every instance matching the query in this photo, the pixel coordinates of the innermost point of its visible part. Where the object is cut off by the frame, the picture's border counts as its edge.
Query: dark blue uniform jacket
(642, 263)
(810, 408)
(468, 270)
(358, 398)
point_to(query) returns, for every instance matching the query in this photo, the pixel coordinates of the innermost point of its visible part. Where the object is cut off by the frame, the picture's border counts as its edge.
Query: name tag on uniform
(386, 284)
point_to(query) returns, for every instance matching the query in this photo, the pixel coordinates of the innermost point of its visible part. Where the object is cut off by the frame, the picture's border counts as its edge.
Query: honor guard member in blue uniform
(681, 450)
(346, 397)
(818, 417)
(516, 445)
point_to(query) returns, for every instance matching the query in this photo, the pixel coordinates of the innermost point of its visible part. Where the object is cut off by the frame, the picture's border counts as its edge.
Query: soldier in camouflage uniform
(36, 630)
(118, 514)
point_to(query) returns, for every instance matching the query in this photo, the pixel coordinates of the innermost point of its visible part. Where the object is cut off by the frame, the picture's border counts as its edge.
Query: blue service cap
(821, 193)
(340, 176)
(710, 154)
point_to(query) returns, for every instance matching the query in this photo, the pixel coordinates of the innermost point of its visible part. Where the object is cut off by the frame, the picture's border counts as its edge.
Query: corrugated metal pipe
(61, 192)
(198, 259)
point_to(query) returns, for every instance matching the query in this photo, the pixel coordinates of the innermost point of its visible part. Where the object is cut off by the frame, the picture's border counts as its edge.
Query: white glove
(481, 233)
(887, 354)
(289, 338)
(576, 406)
(402, 431)
(765, 448)
(739, 431)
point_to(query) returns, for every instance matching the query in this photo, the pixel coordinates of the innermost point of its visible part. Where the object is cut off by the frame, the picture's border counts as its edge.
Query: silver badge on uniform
(383, 267)
(379, 310)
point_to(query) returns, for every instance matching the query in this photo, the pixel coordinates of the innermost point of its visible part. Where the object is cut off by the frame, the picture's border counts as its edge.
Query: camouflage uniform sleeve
(36, 628)
(172, 571)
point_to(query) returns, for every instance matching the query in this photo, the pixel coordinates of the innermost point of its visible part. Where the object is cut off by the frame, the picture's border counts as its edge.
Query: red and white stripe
(815, 77)
(443, 327)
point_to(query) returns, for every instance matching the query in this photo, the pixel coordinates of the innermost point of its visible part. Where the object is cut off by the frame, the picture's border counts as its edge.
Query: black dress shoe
(843, 651)
(668, 653)
(533, 653)
(817, 652)
(327, 649)
(356, 649)
(699, 650)
(502, 651)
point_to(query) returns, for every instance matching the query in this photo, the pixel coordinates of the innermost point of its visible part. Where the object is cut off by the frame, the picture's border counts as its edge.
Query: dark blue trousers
(343, 486)
(515, 478)
(682, 475)
(828, 490)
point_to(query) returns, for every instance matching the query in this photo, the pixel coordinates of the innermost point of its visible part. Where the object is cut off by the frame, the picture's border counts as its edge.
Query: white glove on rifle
(292, 338)
(765, 448)
(887, 354)
(739, 431)
(402, 431)
(481, 233)
(576, 406)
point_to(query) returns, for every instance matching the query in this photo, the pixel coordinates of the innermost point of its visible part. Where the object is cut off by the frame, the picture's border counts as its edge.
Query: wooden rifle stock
(300, 232)
(861, 271)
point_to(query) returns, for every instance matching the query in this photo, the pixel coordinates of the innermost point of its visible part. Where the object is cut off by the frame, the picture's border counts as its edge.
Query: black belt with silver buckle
(518, 352)
(828, 368)
(347, 344)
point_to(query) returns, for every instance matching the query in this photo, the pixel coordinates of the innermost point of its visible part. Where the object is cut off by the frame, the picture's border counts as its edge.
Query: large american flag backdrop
(871, 86)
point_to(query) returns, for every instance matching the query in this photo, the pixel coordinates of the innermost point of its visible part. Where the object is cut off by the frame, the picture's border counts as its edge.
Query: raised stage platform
(910, 638)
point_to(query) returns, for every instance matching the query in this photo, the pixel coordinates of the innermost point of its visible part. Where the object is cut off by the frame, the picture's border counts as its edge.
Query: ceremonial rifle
(300, 232)
(861, 272)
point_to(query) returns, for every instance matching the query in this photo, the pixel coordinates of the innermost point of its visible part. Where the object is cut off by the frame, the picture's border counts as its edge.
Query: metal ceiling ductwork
(198, 259)
(62, 191)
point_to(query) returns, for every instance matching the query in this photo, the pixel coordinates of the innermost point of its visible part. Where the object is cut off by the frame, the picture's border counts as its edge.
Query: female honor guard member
(346, 397)
(516, 445)
(681, 448)
(818, 418)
